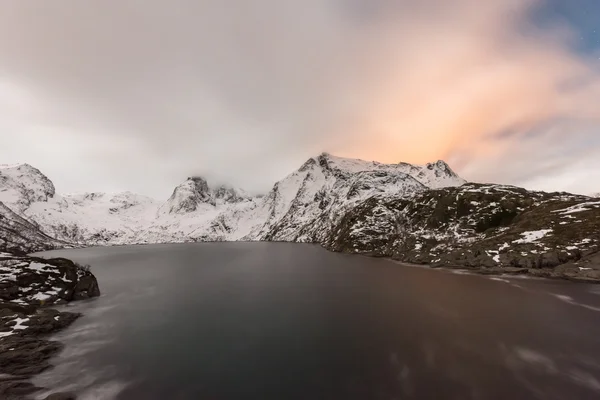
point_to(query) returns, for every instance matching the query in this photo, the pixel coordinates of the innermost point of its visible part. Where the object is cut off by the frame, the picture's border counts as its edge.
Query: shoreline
(553, 273)
(513, 272)
(23, 356)
(29, 287)
(497, 272)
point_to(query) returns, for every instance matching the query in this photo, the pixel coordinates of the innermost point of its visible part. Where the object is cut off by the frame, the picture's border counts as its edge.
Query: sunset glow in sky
(138, 95)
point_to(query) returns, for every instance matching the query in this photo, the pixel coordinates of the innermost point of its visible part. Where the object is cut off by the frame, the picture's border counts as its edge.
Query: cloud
(141, 94)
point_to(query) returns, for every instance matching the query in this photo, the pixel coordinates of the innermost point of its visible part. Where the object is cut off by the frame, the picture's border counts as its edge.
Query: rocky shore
(29, 286)
(488, 229)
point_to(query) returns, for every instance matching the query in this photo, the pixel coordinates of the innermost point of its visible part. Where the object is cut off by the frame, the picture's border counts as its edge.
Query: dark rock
(26, 356)
(16, 389)
(30, 285)
(58, 280)
(479, 227)
(86, 287)
(47, 321)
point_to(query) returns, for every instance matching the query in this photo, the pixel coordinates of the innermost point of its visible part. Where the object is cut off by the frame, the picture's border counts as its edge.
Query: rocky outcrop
(28, 285)
(488, 228)
(37, 281)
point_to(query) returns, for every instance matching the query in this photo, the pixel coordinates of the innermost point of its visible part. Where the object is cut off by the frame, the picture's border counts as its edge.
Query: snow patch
(579, 207)
(39, 266)
(533, 236)
(19, 325)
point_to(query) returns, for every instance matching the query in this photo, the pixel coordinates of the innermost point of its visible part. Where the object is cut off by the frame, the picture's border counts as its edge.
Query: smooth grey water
(224, 321)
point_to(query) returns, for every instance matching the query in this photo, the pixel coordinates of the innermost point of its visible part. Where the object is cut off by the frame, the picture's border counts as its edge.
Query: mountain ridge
(423, 214)
(196, 211)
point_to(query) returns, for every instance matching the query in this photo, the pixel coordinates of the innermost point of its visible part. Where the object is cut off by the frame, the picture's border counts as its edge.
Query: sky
(140, 94)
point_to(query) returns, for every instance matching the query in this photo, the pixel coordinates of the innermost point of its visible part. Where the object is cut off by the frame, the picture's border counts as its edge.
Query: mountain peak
(189, 195)
(441, 166)
(197, 179)
(23, 184)
(433, 175)
(195, 191)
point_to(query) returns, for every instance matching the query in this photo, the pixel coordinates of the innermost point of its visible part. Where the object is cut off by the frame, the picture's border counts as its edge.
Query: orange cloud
(441, 83)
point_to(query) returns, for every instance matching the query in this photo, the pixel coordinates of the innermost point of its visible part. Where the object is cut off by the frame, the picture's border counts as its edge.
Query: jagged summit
(189, 195)
(433, 175)
(195, 192)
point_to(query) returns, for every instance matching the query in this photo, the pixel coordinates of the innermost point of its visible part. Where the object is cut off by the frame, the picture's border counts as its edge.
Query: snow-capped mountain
(421, 214)
(300, 207)
(305, 204)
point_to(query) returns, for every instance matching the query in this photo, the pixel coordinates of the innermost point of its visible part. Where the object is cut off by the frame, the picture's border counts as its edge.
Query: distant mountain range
(422, 214)
(323, 187)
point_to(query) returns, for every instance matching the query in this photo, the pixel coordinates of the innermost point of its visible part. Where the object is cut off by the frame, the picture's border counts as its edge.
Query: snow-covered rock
(225, 194)
(17, 234)
(485, 227)
(195, 193)
(304, 205)
(21, 185)
(37, 281)
(188, 196)
(28, 285)
(432, 175)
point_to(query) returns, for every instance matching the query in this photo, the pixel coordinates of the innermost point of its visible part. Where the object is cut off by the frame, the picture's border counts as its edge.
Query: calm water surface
(224, 321)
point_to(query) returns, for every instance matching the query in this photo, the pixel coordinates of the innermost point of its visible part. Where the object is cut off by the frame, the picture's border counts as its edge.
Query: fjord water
(221, 321)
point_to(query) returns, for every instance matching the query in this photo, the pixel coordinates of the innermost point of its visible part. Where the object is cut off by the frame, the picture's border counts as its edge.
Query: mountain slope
(304, 205)
(490, 227)
(17, 235)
